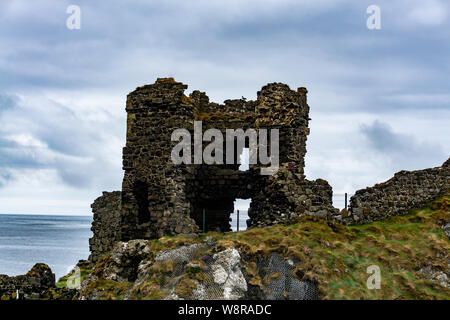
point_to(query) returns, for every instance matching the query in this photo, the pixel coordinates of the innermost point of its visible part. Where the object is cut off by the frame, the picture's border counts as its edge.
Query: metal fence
(341, 200)
(239, 220)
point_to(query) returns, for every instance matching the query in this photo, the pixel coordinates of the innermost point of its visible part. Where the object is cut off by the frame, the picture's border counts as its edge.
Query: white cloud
(26, 140)
(430, 13)
(63, 92)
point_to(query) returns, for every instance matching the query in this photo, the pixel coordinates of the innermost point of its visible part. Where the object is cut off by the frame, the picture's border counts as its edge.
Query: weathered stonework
(161, 198)
(154, 201)
(106, 224)
(406, 191)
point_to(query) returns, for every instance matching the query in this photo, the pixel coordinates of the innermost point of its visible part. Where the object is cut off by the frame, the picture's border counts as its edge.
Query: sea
(58, 241)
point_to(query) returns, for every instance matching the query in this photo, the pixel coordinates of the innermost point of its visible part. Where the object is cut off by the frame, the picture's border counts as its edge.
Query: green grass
(332, 255)
(337, 256)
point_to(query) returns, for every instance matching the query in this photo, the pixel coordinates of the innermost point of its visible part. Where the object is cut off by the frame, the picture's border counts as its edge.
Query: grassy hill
(337, 256)
(412, 252)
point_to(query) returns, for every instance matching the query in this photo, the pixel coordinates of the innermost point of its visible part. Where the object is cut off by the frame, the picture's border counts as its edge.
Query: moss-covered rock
(33, 285)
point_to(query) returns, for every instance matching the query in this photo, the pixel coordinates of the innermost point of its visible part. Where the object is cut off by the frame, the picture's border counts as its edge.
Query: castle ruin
(161, 198)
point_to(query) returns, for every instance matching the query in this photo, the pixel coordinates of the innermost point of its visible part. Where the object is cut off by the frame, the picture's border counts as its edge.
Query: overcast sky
(380, 99)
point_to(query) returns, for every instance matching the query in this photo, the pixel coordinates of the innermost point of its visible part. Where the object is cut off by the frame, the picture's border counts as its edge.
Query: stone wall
(153, 190)
(106, 224)
(406, 191)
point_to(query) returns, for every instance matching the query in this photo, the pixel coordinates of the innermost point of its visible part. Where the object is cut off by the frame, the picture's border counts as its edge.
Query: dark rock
(30, 286)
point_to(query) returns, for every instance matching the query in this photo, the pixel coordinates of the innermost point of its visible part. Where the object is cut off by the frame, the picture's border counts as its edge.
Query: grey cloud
(405, 151)
(7, 102)
(309, 39)
(13, 155)
(228, 49)
(76, 175)
(431, 101)
(5, 177)
(54, 137)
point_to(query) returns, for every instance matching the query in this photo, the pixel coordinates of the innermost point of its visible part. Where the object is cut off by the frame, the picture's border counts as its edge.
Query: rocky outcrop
(227, 273)
(125, 259)
(31, 286)
(406, 191)
(436, 275)
(106, 224)
(202, 271)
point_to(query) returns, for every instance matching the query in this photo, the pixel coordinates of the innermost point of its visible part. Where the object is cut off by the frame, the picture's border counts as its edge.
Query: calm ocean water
(59, 241)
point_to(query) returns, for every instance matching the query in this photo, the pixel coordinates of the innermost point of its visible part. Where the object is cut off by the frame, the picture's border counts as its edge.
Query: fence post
(237, 221)
(204, 224)
(346, 201)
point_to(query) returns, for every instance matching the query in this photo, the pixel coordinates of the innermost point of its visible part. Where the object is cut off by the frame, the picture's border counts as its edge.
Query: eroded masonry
(161, 198)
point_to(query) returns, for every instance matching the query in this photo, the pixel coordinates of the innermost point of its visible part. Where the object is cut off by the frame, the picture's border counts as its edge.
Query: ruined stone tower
(161, 198)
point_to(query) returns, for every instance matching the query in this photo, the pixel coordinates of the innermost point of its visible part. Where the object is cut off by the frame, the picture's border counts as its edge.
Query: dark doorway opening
(213, 215)
(140, 191)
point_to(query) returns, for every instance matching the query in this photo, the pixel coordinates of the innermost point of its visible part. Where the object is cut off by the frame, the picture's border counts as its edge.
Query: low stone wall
(31, 286)
(106, 224)
(406, 191)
